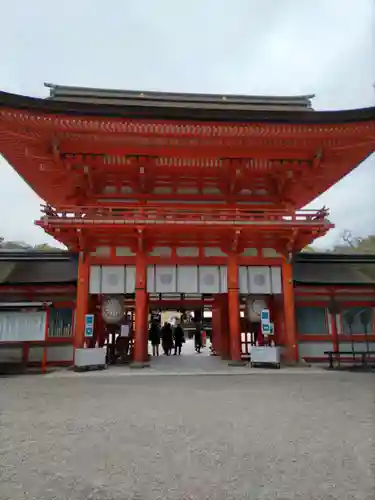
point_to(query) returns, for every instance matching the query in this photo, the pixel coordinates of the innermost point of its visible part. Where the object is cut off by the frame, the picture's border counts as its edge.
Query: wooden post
(82, 302)
(141, 333)
(234, 311)
(290, 336)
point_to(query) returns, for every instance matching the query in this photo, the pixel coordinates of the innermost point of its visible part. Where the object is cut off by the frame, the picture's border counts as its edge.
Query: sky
(268, 47)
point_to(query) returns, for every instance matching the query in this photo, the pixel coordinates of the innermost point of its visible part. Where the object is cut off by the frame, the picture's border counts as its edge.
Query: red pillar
(216, 324)
(234, 310)
(224, 317)
(333, 317)
(82, 300)
(146, 342)
(290, 336)
(141, 333)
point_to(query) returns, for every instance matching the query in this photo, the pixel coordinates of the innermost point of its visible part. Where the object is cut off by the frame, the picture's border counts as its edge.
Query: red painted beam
(84, 147)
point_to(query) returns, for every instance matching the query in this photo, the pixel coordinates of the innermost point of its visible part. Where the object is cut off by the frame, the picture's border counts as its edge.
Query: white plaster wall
(54, 353)
(60, 353)
(35, 354)
(358, 346)
(314, 349)
(11, 354)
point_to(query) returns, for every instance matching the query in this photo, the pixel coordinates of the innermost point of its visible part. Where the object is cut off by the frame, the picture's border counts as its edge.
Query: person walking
(179, 339)
(198, 338)
(154, 335)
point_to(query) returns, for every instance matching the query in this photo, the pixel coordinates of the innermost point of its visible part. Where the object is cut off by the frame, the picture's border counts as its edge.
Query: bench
(336, 356)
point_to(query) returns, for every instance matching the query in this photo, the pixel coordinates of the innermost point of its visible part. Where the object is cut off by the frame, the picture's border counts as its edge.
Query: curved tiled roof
(184, 110)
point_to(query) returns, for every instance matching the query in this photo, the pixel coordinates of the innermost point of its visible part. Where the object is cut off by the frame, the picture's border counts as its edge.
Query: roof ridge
(160, 94)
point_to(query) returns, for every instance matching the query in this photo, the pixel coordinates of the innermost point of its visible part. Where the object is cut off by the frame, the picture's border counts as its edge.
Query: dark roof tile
(331, 273)
(30, 272)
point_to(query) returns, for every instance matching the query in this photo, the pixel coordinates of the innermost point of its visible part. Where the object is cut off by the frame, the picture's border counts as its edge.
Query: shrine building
(185, 201)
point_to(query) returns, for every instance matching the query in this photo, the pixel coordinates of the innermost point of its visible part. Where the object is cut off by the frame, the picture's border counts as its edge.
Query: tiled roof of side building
(31, 267)
(334, 269)
(28, 267)
(332, 274)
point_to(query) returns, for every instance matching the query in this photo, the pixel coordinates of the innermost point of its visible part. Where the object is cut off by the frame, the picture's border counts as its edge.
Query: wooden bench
(336, 356)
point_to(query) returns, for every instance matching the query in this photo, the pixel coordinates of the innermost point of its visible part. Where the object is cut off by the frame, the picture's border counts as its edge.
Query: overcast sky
(325, 47)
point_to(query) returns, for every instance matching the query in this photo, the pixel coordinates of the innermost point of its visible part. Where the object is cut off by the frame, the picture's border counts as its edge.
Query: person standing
(154, 335)
(179, 339)
(167, 338)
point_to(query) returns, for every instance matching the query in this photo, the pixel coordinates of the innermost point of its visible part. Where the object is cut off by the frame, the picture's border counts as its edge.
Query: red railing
(176, 215)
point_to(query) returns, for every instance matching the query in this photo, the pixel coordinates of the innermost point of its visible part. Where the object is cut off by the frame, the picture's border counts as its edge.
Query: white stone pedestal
(90, 359)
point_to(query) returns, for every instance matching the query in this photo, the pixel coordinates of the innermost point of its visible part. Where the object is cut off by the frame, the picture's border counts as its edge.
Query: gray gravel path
(263, 436)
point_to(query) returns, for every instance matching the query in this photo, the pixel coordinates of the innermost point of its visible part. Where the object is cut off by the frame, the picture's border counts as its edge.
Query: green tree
(309, 249)
(349, 244)
(45, 247)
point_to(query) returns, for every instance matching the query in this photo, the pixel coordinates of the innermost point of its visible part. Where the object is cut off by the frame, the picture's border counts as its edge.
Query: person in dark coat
(198, 337)
(167, 338)
(179, 339)
(154, 335)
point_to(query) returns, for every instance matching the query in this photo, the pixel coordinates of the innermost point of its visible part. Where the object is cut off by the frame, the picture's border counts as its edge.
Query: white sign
(125, 330)
(16, 326)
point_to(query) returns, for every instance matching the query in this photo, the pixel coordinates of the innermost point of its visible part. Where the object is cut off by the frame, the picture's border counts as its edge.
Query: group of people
(168, 337)
(172, 338)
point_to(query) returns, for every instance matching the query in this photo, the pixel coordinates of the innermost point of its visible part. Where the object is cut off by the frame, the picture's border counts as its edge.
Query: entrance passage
(189, 361)
(177, 333)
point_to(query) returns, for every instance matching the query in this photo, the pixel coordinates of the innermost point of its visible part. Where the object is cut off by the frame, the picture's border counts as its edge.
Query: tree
(45, 247)
(14, 245)
(21, 245)
(309, 249)
(351, 244)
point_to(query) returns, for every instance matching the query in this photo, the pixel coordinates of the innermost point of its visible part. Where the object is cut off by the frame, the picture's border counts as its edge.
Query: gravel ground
(266, 436)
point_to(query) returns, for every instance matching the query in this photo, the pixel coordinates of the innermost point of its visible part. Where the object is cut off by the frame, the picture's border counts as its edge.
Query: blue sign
(266, 328)
(89, 325)
(265, 316)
